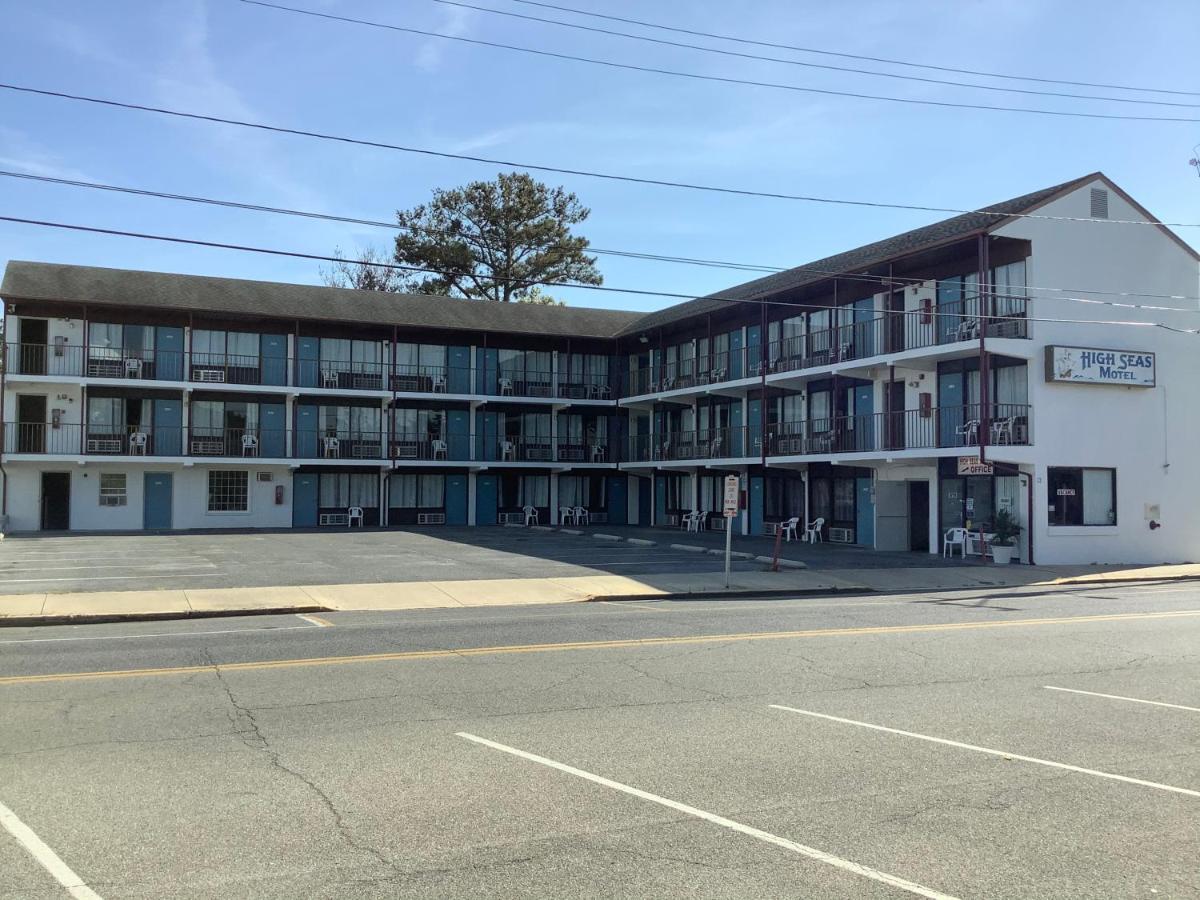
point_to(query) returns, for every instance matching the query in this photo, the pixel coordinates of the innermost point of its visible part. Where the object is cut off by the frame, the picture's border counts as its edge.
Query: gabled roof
(269, 299)
(955, 228)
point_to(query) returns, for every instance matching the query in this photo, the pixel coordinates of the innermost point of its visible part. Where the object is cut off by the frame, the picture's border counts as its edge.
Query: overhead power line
(842, 55)
(812, 65)
(562, 170)
(675, 73)
(886, 281)
(296, 254)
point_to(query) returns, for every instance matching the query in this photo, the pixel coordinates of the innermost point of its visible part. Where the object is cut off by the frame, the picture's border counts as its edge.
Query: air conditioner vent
(1099, 203)
(264, 476)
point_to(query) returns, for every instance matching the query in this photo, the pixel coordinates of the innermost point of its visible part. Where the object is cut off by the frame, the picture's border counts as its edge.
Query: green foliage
(1005, 529)
(489, 240)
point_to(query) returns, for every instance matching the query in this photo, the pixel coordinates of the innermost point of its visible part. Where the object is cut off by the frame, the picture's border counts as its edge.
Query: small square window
(113, 489)
(228, 491)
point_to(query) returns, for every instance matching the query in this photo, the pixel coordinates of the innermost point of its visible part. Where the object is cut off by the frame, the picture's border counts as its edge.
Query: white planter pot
(1002, 556)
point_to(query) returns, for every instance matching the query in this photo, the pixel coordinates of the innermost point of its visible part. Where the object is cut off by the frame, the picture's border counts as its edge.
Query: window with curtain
(208, 347)
(366, 356)
(336, 490)
(243, 348)
(207, 417)
(335, 354)
(1012, 385)
(843, 499)
(819, 410)
(1077, 496)
(105, 340)
(334, 421)
(364, 420)
(535, 426)
(418, 423)
(106, 415)
(1009, 285)
(432, 359)
(407, 356)
(819, 324)
(535, 490)
(570, 490)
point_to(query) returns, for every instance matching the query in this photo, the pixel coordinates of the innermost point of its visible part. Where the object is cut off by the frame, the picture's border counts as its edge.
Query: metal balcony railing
(680, 446)
(237, 442)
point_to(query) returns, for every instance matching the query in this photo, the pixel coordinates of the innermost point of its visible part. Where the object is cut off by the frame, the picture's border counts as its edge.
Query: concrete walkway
(50, 608)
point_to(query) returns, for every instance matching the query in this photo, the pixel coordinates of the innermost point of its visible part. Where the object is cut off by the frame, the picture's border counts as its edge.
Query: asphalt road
(860, 747)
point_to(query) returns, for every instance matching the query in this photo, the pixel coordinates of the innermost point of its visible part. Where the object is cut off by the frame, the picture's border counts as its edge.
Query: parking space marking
(47, 858)
(1004, 754)
(315, 620)
(811, 852)
(1051, 687)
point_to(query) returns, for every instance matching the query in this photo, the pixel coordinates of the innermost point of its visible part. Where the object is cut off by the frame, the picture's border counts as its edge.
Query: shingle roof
(160, 290)
(960, 226)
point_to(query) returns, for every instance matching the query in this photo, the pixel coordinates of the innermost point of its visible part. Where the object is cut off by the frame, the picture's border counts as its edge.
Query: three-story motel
(894, 391)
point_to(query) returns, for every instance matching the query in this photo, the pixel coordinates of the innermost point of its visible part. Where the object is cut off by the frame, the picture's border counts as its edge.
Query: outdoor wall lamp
(1154, 526)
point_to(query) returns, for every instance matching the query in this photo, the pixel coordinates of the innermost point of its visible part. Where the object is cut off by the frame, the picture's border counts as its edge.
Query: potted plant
(1005, 532)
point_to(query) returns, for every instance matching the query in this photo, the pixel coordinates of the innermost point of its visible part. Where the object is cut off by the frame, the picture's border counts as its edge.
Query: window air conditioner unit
(841, 535)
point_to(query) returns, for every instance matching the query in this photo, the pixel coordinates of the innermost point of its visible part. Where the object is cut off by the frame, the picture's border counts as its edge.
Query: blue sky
(230, 59)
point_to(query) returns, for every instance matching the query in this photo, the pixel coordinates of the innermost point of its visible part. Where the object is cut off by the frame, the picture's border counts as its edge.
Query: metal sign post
(732, 493)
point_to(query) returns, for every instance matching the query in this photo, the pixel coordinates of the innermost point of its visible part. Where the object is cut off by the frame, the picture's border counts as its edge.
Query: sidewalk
(39, 609)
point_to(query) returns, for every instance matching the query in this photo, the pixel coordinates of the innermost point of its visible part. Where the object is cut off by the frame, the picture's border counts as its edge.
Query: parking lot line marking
(128, 637)
(1051, 687)
(864, 631)
(47, 858)
(1001, 753)
(811, 852)
(315, 620)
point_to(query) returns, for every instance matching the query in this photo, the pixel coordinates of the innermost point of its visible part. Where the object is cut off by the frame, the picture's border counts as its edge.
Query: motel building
(894, 391)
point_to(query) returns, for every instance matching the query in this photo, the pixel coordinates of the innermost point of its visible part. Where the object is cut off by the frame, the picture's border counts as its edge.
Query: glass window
(336, 353)
(406, 357)
(402, 491)
(336, 490)
(244, 347)
(843, 499)
(105, 414)
(208, 347)
(365, 420)
(1082, 496)
(228, 491)
(105, 340)
(431, 491)
(363, 490)
(366, 356)
(535, 490)
(334, 421)
(432, 359)
(819, 410)
(112, 489)
(207, 417)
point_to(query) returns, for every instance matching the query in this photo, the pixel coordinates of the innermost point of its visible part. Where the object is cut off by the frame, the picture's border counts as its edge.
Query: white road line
(315, 620)
(25, 570)
(1051, 687)
(127, 637)
(811, 852)
(49, 860)
(1002, 753)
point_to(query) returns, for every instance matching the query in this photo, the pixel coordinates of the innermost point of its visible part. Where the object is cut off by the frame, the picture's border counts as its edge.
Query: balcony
(963, 427)
(688, 446)
(697, 373)
(341, 445)
(428, 448)
(237, 442)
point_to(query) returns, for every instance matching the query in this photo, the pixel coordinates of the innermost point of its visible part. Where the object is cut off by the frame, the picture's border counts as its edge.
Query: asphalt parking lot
(884, 747)
(263, 559)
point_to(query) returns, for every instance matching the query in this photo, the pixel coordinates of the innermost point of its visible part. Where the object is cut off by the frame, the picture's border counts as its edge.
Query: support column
(471, 512)
(553, 498)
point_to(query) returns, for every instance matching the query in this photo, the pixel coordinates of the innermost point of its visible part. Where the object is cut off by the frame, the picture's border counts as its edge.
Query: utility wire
(811, 65)
(296, 254)
(675, 73)
(877, 59)
(888, 281)
(559, 170)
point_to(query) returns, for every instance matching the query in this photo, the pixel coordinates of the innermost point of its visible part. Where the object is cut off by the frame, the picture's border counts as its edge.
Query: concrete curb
(688, 548)
(608, 537)
(641, 542)
(739, 594)
(783, 563)
(100, 618)
(575, 531)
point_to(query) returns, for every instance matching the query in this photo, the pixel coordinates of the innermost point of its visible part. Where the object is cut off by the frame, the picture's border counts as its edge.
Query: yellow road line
(591, 645)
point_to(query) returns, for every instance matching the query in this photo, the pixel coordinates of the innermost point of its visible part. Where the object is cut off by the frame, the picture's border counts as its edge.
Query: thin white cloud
(19, 151)
(456, 22)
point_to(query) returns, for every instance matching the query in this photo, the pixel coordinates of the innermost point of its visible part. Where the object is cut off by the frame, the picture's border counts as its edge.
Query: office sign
(1090, 365)
(972, 465)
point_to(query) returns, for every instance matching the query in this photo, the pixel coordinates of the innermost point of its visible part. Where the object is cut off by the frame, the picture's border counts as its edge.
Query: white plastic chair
(508, 450)
(1002, 430)
(531, 514)
(329, 378)
(133, 368)
(597, 453)
(440, 450)
(331, 447)
(954, 537)
(354, 513)
(812, 531)
(968, 431)
(582, 516)
(249, 445)
(506, 386)
(789, 528)
(439, 384)
(137, 443)
(688, 521)
(566, 516)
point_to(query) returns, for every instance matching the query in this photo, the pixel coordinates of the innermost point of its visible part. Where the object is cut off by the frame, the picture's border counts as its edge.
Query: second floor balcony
(697, 445)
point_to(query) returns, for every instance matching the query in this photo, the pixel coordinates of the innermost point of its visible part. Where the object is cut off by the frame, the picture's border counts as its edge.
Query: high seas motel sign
(1088, 365)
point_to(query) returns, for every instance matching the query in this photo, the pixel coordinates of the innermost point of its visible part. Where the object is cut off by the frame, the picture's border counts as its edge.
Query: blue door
(486, 371)
(864, 527)
(755, 503)
(660, 498)
(754, 352)
(618, 503)
(168, 353)
(864, 418)
(168, 428)
(306, 432)
(272, 421)
(950, 409)
(736, 367)
(458, 434)
(754, 429)
(485, 500)
(304, 500)
(308, 361)
(644, 490)
(157, 493)
(274, 359)
(456, 499)
(458, 381)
